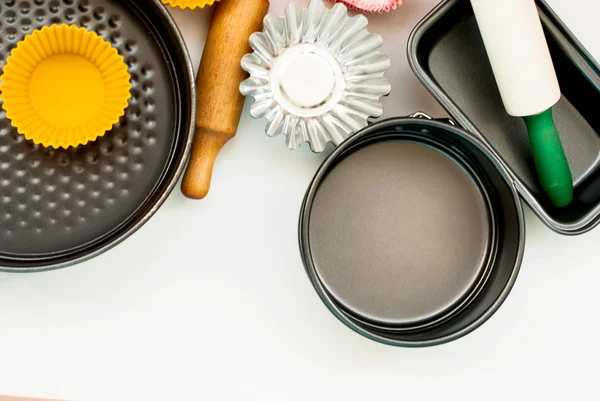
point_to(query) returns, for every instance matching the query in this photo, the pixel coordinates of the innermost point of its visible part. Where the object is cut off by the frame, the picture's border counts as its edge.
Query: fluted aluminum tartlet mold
(316, 74)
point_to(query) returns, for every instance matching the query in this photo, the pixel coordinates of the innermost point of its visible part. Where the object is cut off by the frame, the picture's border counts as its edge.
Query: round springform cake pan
(412, 232)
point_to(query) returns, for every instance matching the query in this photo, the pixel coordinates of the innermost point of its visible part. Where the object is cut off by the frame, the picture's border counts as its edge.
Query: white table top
(209, 300)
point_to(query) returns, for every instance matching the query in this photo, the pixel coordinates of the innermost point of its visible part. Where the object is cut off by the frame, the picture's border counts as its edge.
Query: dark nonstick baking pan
(59, 207)
(447, 54)
(412, 232)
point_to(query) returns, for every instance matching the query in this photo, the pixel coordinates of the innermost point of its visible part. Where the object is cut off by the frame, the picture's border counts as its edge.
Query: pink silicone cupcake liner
(371, 6)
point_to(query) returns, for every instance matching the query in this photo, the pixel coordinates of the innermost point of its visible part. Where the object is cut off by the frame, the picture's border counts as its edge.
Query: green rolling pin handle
(549, 157)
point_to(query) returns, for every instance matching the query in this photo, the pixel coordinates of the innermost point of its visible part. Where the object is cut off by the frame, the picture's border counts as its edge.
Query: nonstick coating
(411, 232)
(58, 206)
(389, 211)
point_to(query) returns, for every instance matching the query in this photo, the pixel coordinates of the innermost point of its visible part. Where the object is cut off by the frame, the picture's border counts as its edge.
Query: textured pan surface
(448, 55)
(400, 233)
(55, 203)
(412, 232)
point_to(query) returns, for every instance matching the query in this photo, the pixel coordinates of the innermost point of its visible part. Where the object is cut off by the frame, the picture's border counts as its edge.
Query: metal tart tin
(412, 232)
(316, 74)
(59, 207)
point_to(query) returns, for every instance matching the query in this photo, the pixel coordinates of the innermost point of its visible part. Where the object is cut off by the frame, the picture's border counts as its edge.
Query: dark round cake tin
(59, 207)
(412, 232)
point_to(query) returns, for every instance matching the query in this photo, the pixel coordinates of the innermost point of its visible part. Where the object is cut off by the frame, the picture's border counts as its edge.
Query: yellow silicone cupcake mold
(189, 3)
(63, 86)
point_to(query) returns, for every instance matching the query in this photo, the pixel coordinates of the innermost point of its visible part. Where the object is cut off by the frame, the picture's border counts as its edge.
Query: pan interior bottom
(399, 233)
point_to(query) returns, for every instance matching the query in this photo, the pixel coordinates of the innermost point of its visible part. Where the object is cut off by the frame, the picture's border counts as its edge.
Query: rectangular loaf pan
(447, 54)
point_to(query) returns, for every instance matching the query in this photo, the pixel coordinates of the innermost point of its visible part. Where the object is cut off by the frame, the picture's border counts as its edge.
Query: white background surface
(209, 300)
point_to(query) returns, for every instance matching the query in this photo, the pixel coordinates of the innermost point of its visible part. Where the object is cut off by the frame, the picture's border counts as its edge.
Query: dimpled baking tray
(57, 206)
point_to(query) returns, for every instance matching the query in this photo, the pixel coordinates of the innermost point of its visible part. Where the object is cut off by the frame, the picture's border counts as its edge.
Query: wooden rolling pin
(219, 99)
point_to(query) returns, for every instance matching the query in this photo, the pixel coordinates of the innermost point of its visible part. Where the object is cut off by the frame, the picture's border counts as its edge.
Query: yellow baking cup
(189, 3)
(64, 86)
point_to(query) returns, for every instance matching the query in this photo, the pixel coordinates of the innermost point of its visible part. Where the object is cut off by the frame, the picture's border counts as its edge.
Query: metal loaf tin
(447, 54)
(59, 207)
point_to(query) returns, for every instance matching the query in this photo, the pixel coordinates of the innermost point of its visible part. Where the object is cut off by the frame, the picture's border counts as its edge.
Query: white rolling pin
(518, 52)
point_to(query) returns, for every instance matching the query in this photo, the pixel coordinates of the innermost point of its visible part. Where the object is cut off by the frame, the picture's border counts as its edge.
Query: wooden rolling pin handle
(198, 176)
(220, 102)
